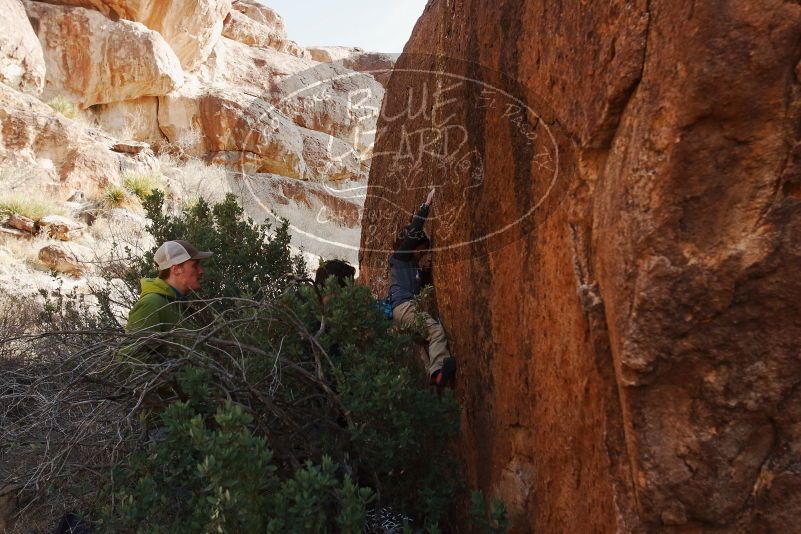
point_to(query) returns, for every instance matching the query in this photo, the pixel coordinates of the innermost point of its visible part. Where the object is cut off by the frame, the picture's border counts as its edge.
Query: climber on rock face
(408, 266)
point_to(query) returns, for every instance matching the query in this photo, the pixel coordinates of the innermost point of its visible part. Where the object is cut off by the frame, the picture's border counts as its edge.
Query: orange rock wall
(617, 263)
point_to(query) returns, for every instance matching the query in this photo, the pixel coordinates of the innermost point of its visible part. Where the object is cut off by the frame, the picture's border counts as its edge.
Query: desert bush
(249, 259)
(222, 479)
(114, 196)
(17, 316)
(274, 407)
(191, 179)
(66, 108)
(142, 184)
(28, 206)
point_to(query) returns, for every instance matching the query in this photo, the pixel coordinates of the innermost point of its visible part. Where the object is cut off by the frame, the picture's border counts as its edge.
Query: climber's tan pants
(437, 341)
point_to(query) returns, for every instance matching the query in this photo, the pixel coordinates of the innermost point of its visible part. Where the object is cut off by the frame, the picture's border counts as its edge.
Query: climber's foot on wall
(444, 377)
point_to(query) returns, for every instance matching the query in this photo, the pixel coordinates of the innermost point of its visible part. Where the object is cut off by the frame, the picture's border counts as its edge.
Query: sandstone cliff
(102, 100)
(21, 61)
(191, 27)
(617, 231)
(209, 93)
(377, 64)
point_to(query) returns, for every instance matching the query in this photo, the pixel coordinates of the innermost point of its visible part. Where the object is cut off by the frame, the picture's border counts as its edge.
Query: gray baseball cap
(176, 252)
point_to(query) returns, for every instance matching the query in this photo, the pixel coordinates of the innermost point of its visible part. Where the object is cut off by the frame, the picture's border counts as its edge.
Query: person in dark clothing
(340, 269)
(407, 268)
(72, 524)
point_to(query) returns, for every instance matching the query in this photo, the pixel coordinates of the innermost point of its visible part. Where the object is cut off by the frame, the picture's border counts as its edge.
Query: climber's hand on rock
(430, 197)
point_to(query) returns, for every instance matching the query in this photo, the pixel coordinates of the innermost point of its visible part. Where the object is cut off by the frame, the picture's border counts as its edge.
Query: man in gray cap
(179, 272)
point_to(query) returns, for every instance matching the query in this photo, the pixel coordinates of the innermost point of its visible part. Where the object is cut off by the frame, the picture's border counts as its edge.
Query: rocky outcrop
(22, 63)
(327, 98)
(160, 73)
(262, 14)
(62, 154)
(247, 134)
(249, 107)
(93, 60)
(354, 58)
(259, 110)
(325, 218)
(377, 64)
(191, 27)
(62, 259)
(244, 29)
(618, 225)
(330, 54)
(219, 121)
(329, 159)
(131, 119)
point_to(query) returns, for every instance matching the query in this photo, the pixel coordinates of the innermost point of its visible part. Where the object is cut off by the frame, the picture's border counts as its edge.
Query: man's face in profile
(190, 274)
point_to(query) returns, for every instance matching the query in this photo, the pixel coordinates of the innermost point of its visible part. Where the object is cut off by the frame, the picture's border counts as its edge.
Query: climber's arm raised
(413, 231)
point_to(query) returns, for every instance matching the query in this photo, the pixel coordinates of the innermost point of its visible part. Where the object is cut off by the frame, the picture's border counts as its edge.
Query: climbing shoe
(444, 377)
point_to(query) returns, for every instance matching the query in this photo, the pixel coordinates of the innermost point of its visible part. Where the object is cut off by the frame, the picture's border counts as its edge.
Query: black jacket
(405, 277)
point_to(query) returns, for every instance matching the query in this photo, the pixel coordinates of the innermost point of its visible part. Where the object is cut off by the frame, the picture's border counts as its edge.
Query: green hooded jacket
(158, 308)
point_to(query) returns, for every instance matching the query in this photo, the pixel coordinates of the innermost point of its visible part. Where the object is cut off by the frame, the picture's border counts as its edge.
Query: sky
(375, 25)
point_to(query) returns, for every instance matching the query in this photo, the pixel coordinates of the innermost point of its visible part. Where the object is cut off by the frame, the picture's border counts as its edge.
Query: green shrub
(142, 184)
(488, 519)
(295, 433)
(249, 259)
(211, 474)
(386, 442)
(198, 478)
(277, 409)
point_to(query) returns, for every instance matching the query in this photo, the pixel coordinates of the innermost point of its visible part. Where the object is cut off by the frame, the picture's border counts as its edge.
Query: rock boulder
(245, 30)
(93, 60)
(618, 233)
(58, 227)
(378, 65)
(191, 27)
(330, 54)
(262, 14)
(130, 119)
(22, 223)
(62, 259)
(328, 98)
(216, 121)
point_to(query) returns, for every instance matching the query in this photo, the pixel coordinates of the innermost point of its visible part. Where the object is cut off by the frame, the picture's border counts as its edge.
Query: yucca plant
(142, 184)
(115, 196)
